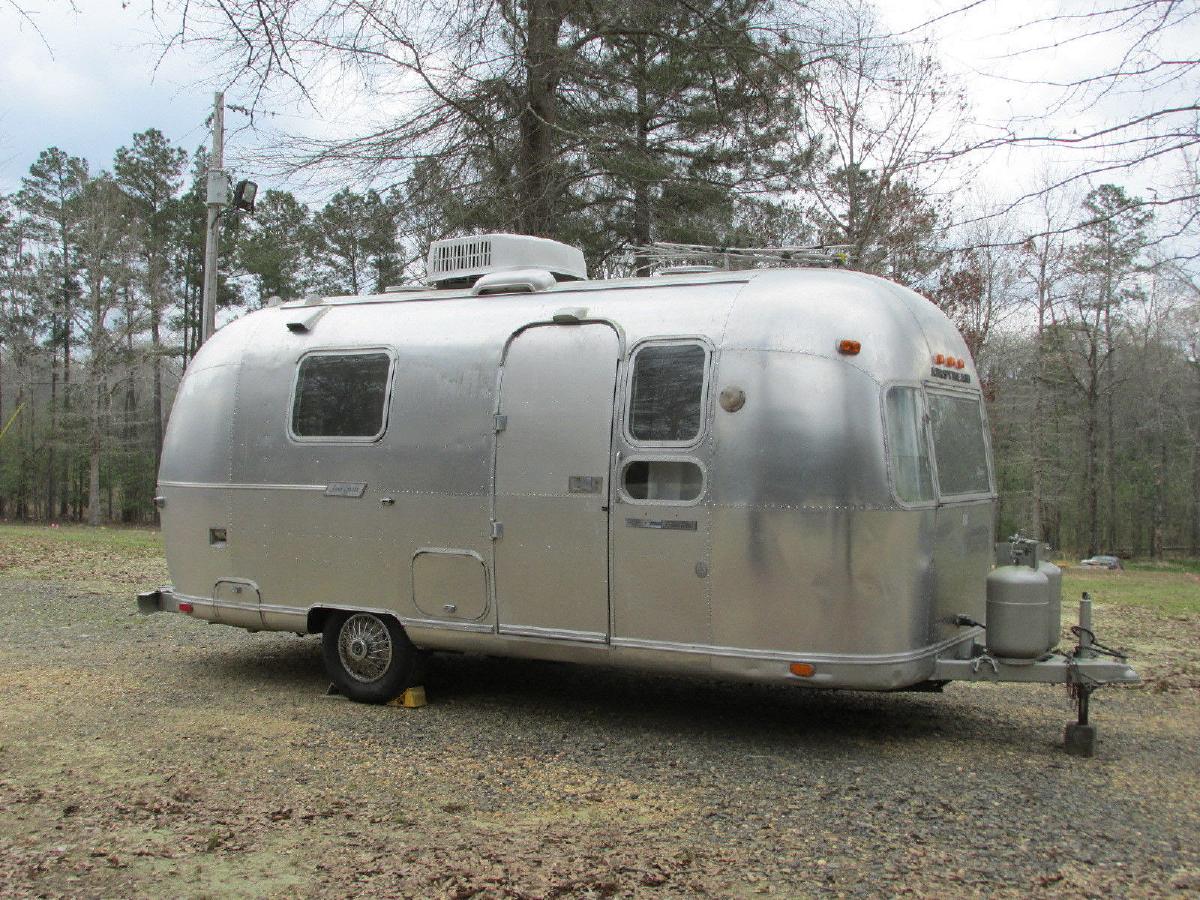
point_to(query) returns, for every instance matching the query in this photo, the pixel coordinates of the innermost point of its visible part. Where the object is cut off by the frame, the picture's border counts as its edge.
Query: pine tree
(151, 174)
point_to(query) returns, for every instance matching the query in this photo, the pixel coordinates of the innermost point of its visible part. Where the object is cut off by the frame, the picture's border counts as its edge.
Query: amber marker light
(950, 361)
(804, 670)
(959, 363)
(849, 347)
(940, 359)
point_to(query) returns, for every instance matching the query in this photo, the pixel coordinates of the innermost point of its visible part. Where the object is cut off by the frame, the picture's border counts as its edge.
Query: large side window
(666, 402)
(907, 445)
(341, 396)
(959, 445)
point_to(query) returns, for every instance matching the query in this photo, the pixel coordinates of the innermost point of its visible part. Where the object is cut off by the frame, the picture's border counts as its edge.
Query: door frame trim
(614, 425)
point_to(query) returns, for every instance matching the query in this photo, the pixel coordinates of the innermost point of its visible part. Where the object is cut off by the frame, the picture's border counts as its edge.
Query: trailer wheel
(368, 657)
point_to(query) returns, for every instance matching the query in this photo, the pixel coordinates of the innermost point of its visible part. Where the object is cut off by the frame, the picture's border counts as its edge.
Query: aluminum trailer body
(772, 474)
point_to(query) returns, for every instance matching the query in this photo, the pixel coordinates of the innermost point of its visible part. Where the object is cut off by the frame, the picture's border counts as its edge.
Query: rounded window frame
(705, 391)
(336, 439)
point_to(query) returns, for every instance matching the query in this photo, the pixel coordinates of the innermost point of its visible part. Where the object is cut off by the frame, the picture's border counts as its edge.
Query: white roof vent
(458, 262)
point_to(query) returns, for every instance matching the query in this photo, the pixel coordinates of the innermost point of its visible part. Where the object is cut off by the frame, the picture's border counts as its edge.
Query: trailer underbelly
(867, 672)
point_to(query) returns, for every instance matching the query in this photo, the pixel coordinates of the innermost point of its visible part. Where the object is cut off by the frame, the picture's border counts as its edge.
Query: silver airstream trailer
(774, 474)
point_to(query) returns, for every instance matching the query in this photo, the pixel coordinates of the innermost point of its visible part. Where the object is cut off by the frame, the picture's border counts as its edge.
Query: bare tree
(1141, 100)
(886, 114)
(1045, 272)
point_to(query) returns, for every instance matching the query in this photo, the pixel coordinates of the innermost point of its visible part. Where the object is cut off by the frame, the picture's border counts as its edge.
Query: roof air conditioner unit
(460, 262)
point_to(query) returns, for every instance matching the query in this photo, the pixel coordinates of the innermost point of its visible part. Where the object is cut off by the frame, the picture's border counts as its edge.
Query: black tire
(368, 656)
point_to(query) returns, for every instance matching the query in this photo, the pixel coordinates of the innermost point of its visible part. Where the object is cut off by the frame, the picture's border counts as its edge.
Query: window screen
(958, 444)
(668, 381)
(663, 479)
(341, 395)
(907, 445)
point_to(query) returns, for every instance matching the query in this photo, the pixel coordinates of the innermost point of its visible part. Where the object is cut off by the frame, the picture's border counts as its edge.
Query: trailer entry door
(552, 490)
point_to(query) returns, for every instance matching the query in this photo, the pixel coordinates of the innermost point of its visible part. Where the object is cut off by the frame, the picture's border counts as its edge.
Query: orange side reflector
(849, 347)
(804, 670)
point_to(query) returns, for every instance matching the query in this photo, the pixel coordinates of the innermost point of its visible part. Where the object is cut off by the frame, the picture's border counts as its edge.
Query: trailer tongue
(1024, 620)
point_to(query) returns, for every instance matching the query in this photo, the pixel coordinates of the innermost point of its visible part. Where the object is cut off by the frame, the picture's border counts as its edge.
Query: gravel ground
(160, 756)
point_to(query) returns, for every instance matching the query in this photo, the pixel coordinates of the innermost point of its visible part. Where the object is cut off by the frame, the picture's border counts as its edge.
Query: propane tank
(1018, 606)
(1054, 592)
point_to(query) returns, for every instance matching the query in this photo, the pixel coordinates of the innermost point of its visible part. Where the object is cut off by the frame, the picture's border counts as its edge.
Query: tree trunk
(537, 120)
(1194, 541)
(1158, 534)
(642, 213)
(94, 458)
(51, 469)
(1090, 476)
(1110, 458)
(155, 349)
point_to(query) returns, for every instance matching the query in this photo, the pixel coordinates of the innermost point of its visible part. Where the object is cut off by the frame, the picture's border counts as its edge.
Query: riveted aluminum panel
(657, 592)
(552, 562)
(810, 434)
(198, 440)
(822, 581)
(964, 540)
(188, 513)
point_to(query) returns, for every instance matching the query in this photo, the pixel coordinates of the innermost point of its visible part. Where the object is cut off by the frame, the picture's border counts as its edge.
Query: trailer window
(668, 386)
(959, 445)
(341, 395)
(906, 443)
(670, 480)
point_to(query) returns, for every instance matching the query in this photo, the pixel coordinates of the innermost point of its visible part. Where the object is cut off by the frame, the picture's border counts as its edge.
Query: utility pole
(218, 199)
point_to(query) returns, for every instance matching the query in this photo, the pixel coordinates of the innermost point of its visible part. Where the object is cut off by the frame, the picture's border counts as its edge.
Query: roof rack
(663, 253)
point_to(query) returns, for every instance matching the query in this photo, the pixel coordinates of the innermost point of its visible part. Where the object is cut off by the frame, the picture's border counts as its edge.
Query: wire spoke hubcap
(365, 647)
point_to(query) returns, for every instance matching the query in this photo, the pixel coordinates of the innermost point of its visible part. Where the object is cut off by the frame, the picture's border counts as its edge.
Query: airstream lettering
(777, 474)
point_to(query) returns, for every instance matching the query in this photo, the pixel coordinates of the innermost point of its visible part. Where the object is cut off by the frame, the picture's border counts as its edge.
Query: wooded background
(739, 123)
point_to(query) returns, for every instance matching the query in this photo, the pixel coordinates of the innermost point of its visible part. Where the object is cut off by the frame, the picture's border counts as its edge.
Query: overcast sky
(94, 77)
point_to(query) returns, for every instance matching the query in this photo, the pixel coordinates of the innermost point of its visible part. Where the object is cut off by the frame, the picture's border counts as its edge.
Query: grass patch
(1165, 565)
(1167, 592)
(91, 558)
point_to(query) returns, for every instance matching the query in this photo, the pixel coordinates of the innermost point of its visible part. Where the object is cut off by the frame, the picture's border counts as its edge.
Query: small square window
(663, 480)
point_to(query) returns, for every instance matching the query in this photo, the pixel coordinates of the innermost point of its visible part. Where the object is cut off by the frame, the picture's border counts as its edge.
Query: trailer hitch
(1089, 667)
(1079, 738)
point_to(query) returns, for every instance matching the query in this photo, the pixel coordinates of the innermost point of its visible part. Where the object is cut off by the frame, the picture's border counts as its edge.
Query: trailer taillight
(185, 607)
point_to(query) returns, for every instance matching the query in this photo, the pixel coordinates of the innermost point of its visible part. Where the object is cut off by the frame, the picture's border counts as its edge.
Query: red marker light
(849, 347)
(185, 607)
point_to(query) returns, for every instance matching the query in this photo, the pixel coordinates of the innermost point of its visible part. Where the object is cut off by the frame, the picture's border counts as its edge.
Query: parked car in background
(1102, 562)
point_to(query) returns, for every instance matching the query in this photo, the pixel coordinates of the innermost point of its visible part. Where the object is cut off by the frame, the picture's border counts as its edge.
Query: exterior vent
(460, 262)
